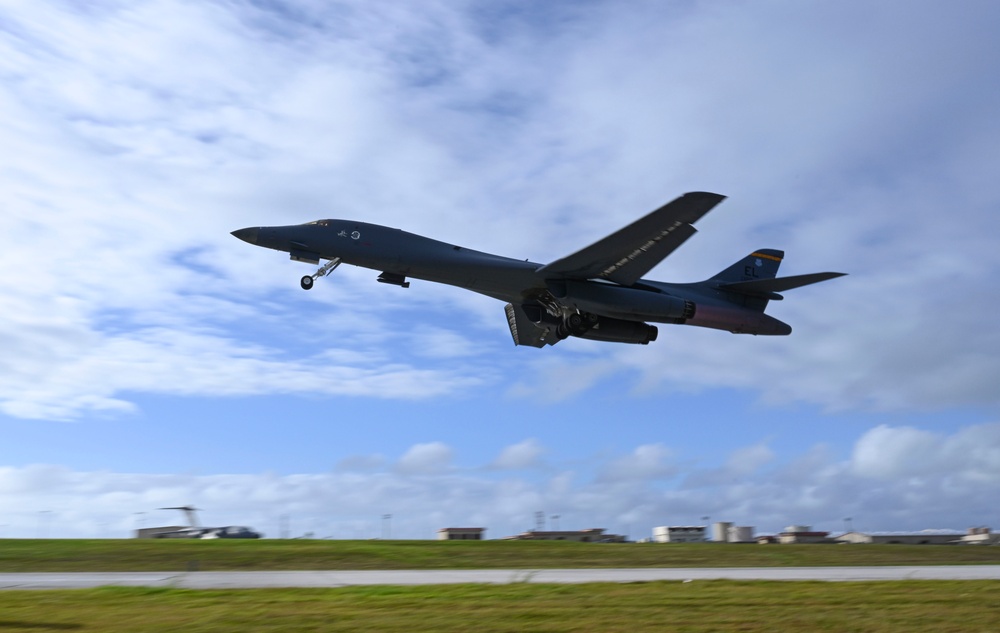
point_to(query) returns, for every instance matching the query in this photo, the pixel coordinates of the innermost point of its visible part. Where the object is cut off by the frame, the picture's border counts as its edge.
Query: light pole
(847, 524)
(43, 527)
(386, 527)
(540, 521)
(283, 525)
(555, 522)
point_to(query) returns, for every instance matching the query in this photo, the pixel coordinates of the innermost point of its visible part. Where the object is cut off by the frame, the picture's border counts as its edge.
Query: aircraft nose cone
(247, 235)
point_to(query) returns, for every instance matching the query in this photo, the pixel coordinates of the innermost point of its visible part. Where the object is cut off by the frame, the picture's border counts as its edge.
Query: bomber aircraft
(596, 293)
(193, 530)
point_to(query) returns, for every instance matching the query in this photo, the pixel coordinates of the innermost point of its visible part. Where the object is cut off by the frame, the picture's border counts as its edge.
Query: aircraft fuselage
(406, 254)
(596, 293)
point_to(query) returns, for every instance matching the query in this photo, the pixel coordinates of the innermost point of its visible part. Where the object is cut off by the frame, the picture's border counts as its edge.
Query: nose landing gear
(307, 281)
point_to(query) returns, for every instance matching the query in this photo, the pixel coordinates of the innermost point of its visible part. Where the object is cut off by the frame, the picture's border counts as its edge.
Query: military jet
(596, 293)
(196, 531)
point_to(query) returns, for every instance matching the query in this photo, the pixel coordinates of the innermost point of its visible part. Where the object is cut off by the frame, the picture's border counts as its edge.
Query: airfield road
(284, 579)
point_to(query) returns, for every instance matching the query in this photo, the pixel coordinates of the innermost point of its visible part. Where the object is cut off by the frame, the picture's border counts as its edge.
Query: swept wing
(626, 255)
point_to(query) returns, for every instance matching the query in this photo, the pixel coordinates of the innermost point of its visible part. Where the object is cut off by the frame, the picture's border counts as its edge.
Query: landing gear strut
(307, 281)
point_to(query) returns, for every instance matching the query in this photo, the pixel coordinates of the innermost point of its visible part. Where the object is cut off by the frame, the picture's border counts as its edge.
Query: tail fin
(760, 264)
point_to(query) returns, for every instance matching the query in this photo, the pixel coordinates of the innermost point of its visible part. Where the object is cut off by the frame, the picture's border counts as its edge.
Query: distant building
(589, 535)
(726, 532)
(679, 534)
(924, 537)
(720, 531)
(741, 534)
(980, 536)
(803, 534)
(461, 534)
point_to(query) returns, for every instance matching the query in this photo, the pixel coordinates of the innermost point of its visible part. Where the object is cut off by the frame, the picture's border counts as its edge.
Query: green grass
(745, 607)
(17, 555)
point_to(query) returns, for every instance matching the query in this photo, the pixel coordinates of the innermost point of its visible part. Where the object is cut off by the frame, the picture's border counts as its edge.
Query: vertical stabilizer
(760, 264)
(763, 263)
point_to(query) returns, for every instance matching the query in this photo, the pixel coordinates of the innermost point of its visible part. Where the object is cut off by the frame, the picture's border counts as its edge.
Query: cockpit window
(320, 223)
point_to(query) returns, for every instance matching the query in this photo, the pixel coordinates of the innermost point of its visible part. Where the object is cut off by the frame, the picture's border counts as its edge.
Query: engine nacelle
(619, 302)
(620, 331)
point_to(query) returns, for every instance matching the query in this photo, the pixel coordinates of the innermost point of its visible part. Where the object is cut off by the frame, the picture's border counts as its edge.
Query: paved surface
(266, 579)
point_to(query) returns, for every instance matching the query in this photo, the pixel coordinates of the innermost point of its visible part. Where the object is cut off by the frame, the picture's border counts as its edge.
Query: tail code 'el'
(760, 264)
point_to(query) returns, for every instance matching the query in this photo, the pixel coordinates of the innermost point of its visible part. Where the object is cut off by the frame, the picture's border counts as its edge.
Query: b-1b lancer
(596, 293)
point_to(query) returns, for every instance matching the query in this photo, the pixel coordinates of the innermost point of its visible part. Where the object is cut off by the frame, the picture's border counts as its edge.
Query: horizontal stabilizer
(626, 255)
(768, 287)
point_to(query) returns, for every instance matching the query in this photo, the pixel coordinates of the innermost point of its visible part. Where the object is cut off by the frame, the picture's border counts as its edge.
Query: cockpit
(319, 223)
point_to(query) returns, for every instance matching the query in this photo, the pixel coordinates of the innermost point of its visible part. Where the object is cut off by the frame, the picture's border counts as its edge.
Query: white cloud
(434, 342)
(880, 485)
(971, 456)
(859, 161)
(553, 379)
(887, 453)
(422, 459)
(742, 464)
(520, 456)
(137, 136)
(114, 194)
(156, 360)
(749, 459)
(647, 462)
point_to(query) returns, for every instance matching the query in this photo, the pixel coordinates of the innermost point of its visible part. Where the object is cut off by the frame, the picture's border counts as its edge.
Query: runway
(316, 579)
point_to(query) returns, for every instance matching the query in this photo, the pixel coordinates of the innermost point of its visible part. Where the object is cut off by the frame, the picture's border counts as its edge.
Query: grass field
(721, 606)
(25, 555)
(724, 606)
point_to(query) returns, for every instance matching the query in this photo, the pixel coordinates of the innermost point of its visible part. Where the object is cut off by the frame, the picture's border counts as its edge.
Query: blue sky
(150, 359)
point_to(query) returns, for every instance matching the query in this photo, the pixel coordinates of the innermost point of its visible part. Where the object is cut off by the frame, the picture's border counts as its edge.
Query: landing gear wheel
(307, 281)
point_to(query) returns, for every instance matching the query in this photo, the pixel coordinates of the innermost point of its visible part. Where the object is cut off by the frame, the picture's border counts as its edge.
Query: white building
(679, 534)
(741, 534)
(924, 537)
(803, 534)
(726, 532)
(980, 536)
(720, 531)
(461, 534)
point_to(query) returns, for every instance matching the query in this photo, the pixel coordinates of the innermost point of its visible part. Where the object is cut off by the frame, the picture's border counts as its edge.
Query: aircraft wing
(626, 255)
